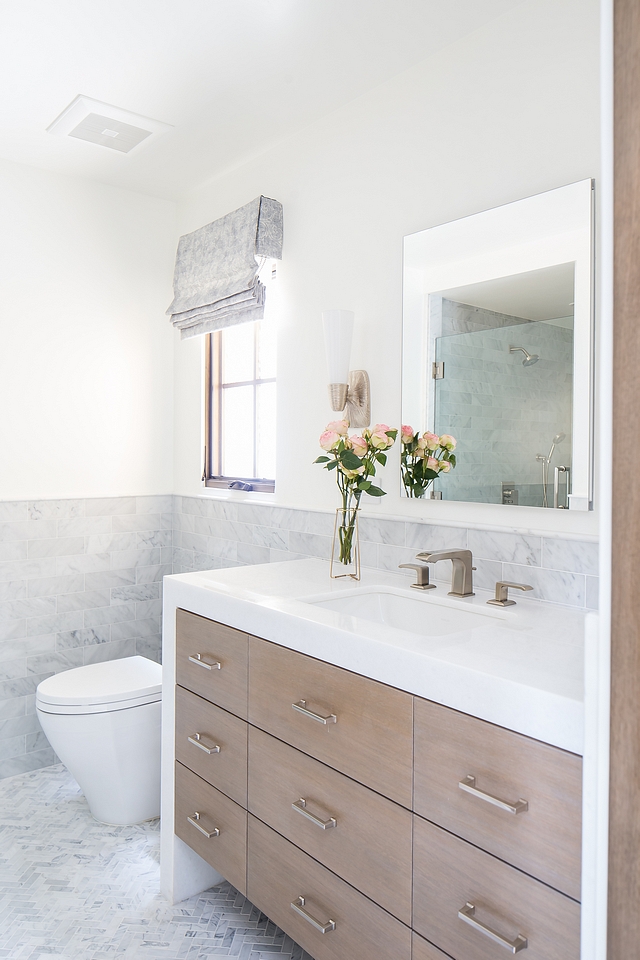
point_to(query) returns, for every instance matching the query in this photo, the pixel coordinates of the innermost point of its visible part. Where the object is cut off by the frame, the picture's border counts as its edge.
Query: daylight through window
(241, 407)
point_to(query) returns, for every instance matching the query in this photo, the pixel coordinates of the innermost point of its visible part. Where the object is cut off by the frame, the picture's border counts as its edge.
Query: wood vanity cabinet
(368, 822)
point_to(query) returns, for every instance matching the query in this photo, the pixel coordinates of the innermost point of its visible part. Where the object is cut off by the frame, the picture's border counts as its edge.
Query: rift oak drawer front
(226, 852)
(360, 835)
(212, 743)
(367, 728)
(423, 950)
(279, 873)
(212, 661)
(451, 875)
(543, 840)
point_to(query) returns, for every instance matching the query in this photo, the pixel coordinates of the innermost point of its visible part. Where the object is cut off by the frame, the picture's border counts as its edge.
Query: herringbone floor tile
(74, 889)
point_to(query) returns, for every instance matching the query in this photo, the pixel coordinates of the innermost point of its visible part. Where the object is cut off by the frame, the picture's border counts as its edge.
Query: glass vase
(345, 547)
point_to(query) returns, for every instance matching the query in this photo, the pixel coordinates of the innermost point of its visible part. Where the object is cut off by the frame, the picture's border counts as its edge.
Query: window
(240, 412)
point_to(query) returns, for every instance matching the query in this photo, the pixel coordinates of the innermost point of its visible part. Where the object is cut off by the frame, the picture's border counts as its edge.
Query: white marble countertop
(523, 669)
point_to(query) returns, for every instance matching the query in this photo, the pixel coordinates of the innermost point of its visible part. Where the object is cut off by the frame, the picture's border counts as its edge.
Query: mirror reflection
(504, 386)
(497, 352)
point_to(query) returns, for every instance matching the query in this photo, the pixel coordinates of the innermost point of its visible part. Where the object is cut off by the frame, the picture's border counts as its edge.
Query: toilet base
(114, 756)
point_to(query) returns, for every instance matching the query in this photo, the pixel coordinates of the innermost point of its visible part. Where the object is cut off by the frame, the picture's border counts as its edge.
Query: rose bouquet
(354, 461)
(423, 458)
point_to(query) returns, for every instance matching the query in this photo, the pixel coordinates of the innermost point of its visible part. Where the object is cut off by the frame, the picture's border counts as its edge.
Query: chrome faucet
(461, 575)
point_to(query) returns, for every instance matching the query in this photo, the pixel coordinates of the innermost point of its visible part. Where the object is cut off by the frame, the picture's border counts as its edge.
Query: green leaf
(332, 466)
(350, 461)
(322, 460)
(364, 485)
(376, 491)
(382, 458)
(430, 474)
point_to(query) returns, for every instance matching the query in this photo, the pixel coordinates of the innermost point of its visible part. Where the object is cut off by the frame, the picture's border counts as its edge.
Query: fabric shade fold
(216, 282)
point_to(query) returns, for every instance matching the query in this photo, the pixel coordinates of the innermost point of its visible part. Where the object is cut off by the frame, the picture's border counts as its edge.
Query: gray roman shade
(216, 284)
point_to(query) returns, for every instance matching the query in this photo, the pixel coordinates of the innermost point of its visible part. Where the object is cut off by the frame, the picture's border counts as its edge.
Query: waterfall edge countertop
(521, 667)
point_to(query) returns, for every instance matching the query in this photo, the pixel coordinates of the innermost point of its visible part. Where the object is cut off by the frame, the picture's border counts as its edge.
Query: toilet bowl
(103, 721)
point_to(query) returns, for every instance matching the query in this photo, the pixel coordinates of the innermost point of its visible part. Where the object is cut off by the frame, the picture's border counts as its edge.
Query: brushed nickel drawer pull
(194, 821)
(298, 905)
(301, 806)
(469, 786)
(467, 912)
(301, 707)
(197, 741)
(198, 658)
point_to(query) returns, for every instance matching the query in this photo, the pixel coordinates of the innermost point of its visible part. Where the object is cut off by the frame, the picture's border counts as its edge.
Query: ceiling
(537, 295)
(231, 76)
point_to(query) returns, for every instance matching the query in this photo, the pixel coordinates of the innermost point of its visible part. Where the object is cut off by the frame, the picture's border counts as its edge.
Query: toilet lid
(114, 681)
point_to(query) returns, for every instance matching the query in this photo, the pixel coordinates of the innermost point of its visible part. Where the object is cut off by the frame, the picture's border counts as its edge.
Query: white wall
(86, 393)
(507, 112)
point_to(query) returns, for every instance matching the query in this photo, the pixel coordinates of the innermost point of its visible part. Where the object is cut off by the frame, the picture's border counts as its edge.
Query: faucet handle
(422, 575)
(501, 598)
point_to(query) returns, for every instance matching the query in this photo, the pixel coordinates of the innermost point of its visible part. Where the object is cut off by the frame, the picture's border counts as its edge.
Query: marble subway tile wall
(211, 533)
(80, 582)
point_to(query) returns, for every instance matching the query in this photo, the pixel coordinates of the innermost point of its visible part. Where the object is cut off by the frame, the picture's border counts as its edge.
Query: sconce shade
(338, 333)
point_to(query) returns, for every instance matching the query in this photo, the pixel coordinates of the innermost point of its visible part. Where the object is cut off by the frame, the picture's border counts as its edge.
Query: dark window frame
(212, 474)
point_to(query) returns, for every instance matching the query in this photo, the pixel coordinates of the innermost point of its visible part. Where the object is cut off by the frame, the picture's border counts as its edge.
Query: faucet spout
(462, 572)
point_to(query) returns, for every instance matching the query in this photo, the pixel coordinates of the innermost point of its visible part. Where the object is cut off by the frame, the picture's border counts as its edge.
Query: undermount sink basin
(420, 615)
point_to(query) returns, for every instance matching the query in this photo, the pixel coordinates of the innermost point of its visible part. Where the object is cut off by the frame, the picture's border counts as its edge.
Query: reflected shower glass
(504, 410)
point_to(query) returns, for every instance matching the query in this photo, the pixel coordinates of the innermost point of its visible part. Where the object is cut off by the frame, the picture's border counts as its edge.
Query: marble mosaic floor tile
(74, 889)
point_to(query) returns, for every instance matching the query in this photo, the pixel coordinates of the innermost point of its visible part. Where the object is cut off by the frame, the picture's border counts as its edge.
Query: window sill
(240, 484)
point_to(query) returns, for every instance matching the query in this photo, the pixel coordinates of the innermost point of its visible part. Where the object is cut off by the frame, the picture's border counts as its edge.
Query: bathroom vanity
(376, 791)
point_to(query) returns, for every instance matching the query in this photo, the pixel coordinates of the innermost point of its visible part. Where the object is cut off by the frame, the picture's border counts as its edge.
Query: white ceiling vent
(108, 126)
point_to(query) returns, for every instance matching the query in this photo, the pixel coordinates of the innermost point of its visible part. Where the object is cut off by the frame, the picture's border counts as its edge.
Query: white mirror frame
(541, 231)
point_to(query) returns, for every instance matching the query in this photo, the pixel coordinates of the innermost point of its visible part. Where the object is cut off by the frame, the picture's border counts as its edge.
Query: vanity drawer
(370, 843)
(367, 726)
(212, 661)
(227, 852)
(450, 873)
(543, 840)
(279, 873)
(423, 950)
(201, 727)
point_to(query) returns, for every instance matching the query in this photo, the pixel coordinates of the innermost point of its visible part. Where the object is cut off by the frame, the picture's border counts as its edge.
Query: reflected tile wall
(503, 414)
(80, 582)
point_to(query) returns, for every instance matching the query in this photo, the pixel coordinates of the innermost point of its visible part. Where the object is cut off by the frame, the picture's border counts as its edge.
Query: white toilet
(103, 721)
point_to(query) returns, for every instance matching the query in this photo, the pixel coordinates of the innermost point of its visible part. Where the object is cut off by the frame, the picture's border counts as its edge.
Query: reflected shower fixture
(348, 390)
(559, 437)
(546, 461)
(529, 358)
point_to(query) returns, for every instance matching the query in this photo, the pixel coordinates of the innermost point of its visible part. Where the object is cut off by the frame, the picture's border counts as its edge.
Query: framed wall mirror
(498, 349)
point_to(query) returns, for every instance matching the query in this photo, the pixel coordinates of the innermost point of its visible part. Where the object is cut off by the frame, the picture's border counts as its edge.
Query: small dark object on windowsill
(240, 485)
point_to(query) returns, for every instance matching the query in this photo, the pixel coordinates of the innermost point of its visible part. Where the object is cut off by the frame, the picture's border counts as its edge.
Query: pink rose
(406, 433)
(445, 466)
(379, 438)
(359, 446)
(329, 440)
(352, 474)
(433, 464)
(421, 448)
(431, 440)
(448, 442)
(339, 426)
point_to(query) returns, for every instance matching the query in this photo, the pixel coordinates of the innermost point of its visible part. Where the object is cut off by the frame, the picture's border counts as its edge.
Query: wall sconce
(348, 390)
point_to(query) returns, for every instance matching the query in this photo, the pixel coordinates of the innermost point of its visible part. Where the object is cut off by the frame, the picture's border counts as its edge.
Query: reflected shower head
(529, 358)
(559, 437)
